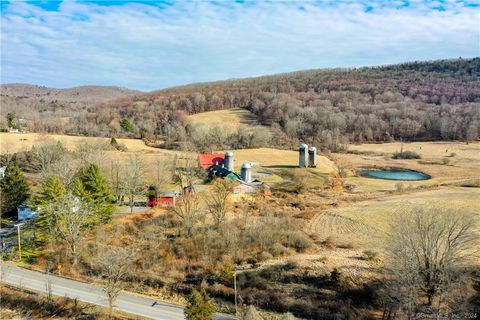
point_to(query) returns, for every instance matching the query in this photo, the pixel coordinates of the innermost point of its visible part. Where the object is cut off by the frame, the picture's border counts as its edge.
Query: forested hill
(413, 101)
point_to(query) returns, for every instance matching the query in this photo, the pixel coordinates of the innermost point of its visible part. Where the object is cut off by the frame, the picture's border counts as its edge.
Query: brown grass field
(230, 119)
(16, 142)
(367, 223)
(269, 157)
(463, 165)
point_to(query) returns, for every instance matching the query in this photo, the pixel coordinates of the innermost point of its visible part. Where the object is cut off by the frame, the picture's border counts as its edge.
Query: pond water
(404, 175)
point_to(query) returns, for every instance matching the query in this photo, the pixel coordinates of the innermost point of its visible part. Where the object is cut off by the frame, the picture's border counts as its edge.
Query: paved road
(126, 302)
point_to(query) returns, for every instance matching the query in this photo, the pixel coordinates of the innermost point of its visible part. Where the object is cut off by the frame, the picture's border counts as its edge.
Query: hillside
(87, 94)
(433, 100)
(52, 108)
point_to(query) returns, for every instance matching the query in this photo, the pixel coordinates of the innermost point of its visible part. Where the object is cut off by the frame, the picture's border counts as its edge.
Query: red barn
(206, 160)
(167, 200)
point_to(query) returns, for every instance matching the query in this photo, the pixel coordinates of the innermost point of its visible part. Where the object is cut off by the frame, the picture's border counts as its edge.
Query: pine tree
(96, 191)
(51, 190)
(200, 306)
(126, 125)
(12, 120)
(14, 191)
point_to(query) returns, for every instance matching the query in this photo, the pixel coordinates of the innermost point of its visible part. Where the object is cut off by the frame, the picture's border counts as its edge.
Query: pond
(395, 174)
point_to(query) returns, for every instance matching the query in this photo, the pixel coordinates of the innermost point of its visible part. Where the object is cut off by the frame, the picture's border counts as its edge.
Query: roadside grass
(26, 304)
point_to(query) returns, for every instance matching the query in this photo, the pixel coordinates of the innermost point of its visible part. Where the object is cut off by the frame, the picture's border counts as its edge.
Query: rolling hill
(432, 100)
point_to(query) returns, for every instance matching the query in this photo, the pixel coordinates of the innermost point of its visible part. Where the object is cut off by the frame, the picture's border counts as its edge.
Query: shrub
(445, 160)
(342, 172)
(370, 255)
(330, 242)
(400, 187)
(453, 154)
(277, 250)
(472, 183)
(265, 256)
(298, 240)
(346, 245)
(290, 265)
(335, 276)
(406, 155)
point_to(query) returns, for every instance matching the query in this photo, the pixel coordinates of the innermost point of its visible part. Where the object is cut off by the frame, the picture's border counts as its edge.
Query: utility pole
(237, 268)
(235, 288)
(18, 225)
(19, 243)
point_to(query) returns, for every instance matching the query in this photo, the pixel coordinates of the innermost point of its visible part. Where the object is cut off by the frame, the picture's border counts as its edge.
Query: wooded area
(437, 100)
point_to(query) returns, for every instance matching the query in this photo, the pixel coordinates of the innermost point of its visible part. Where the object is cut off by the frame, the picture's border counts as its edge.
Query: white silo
(246, 172)
(302, 154)
(229, 160)
(312, 157)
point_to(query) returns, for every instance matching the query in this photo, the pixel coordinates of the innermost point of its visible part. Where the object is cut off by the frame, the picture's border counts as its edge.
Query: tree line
(437, 100)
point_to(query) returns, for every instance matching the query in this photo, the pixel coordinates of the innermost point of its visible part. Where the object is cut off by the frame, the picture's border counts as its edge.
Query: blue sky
(149, 45)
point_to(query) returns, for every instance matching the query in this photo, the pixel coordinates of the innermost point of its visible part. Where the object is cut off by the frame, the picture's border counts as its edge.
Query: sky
(149, 45)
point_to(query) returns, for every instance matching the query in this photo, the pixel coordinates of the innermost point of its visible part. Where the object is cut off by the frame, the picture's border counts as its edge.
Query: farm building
(222, 172)
(206, 160)
(168, 200)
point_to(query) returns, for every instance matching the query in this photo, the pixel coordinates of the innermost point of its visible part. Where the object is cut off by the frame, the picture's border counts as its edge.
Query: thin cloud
(149, 46)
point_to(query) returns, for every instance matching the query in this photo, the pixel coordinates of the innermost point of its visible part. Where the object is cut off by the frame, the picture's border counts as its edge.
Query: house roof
(168, 195)
(206, 160)
(222, 172)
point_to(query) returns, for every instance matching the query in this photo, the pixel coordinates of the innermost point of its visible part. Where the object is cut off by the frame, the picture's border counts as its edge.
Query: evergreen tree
(200, 306)
(94, 189)
(51, 190)
(14, 191)
(12, 120)
(126, 125)
(114, 143)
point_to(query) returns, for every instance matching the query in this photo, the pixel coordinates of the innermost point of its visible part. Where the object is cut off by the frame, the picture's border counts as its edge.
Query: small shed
(25, 212)
(168, 200)
(206, 160)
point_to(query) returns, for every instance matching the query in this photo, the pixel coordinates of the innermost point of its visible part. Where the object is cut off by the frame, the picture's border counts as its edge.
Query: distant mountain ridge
(81, 94)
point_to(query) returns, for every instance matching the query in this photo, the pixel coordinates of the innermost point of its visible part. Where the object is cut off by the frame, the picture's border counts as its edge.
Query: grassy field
(463, 163)
(367, 223)
(268, 157)
(15, 142)
(230, 119)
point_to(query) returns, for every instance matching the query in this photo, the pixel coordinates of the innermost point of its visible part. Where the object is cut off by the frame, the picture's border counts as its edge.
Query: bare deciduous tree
(134, 175)
(217, 201)
(71, 216)
(190, 212)
(428, 248)
(116, 174)
(114, 263)
(91, 152)
(46, 154)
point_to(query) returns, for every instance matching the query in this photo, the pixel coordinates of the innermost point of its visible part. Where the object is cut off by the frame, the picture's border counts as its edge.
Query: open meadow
(367, 223)
(446, 162)
(229, 120)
